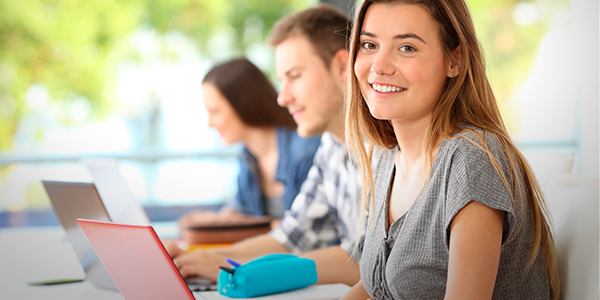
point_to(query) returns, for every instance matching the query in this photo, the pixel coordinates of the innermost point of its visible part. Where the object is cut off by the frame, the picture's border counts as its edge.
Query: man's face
(311, 91)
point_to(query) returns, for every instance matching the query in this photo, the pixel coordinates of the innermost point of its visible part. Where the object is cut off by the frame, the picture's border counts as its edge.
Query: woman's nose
(382, 64)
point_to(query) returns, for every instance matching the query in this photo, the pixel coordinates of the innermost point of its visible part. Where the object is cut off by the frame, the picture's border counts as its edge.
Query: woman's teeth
(386, 88)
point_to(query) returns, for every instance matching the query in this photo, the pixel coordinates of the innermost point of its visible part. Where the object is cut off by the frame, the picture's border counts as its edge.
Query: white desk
(43, 253)
(30, 254)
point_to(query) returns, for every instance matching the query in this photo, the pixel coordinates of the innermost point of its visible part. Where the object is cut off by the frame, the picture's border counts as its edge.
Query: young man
(311, 60)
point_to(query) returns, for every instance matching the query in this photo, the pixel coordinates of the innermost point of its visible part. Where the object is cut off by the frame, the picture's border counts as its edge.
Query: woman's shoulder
(472, 147)
(382, 155)
(382, 159)
(473, 140)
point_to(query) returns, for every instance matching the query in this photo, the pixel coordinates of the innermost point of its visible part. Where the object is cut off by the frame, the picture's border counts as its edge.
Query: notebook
(142, 268)
(72, 200)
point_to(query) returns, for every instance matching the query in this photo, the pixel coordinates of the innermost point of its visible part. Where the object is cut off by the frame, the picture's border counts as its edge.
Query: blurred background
(121, 80)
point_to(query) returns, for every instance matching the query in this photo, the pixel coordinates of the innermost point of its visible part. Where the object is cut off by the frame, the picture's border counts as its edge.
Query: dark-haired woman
(274, 162)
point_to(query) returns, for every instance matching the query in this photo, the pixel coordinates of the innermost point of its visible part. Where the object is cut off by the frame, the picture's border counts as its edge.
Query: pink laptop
(136, 260)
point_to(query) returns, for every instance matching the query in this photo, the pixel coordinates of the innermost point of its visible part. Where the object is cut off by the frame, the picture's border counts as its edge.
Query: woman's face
(221, 115)
(400, 65)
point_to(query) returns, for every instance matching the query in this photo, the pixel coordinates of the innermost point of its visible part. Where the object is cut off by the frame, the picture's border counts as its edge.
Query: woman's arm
(357, 292)
(475, 241)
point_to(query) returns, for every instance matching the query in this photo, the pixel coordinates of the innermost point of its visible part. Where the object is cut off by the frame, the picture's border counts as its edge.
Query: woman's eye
(407, 49)
(368, 46)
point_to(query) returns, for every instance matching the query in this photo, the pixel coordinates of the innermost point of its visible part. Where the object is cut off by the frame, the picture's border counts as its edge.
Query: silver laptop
(72, 200)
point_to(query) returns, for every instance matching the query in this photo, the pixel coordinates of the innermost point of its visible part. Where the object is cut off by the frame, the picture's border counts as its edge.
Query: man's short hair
(326, 27)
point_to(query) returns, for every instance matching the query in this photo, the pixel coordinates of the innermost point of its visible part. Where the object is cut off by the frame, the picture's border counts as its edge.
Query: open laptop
(147, 274)
(73, 200)
(120, 203)
(142, 268)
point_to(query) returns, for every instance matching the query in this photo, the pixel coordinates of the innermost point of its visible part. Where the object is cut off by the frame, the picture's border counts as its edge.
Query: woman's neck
(411, 138)
(261, 142)
(411, 141)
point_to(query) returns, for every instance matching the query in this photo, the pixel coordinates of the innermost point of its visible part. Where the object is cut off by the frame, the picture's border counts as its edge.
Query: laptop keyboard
(198, 284)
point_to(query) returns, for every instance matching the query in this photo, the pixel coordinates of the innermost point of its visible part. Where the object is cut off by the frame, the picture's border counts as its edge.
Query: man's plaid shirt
(326, 211)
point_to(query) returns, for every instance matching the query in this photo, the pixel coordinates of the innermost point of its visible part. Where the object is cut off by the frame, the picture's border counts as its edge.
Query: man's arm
(334, 265)
(206, 263)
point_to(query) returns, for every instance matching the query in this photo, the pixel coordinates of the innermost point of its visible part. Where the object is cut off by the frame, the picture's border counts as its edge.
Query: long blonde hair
(466, 99)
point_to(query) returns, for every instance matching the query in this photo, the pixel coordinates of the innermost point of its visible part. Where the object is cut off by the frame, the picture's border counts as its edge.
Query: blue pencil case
(269, 274)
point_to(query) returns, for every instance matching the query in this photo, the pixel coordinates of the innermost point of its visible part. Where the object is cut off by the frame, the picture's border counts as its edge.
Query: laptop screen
(121, 205)
(72, 200)
(137, 261)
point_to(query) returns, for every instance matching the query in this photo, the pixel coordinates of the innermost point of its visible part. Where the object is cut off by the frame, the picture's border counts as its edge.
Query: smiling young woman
(455, 211)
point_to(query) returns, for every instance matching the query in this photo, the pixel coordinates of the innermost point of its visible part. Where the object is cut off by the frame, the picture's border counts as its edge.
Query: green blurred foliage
(72, 47)
(63, 45)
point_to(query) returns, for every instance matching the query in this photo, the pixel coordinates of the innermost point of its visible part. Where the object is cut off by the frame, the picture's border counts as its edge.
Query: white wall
(586, 55)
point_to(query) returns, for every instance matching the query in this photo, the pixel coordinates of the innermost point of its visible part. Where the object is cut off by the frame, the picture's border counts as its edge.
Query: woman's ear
(455, 61)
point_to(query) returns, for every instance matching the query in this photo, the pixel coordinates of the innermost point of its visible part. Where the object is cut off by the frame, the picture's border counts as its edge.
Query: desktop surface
(44, 253)
(31, 254)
